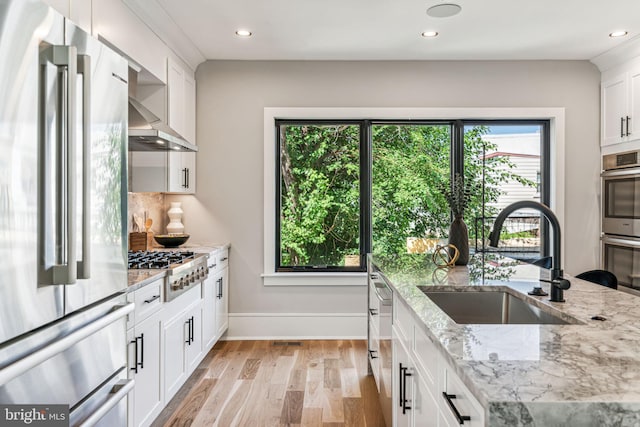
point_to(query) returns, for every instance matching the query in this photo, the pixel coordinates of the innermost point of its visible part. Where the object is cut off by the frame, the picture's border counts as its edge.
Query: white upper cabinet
(166, 172)
(78, 11)
(181, 100)
(114, 22)
(620, 105)
(190, 108)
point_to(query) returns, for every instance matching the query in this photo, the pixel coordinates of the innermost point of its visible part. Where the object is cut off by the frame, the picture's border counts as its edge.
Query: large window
(320, 205)
(348, 187)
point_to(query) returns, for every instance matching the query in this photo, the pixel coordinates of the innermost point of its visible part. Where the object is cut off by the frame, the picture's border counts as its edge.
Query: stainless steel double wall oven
(621, 217)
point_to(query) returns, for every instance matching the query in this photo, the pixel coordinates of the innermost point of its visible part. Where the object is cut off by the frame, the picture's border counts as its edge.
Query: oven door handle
(627, 242)
(621, 173)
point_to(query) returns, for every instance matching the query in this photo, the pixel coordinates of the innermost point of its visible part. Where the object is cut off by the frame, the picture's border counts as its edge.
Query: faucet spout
(556, 270)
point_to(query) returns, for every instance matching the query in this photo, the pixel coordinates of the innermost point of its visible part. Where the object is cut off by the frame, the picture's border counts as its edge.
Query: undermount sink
(490, 307)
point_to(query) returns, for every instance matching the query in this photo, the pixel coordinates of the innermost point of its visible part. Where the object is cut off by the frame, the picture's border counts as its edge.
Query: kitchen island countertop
(581, 374)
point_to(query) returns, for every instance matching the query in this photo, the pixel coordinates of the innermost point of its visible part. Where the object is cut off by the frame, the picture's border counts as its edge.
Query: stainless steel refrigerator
(63, 124)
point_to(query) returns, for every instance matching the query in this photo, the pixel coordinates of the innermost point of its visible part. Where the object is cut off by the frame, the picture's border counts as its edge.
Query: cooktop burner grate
(157, 259)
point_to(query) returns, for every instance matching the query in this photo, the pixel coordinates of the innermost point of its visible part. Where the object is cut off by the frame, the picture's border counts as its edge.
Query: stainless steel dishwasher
(380, 302)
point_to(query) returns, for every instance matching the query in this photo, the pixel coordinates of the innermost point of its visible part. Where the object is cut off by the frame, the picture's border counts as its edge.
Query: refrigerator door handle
(24, 364)
(84, 68)
(62, 269)
(118, 392)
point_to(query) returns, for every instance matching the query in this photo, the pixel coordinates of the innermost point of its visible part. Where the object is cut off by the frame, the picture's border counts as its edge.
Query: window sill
(314, 279)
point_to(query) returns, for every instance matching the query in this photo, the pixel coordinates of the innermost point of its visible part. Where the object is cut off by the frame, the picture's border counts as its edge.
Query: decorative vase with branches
(458, 195)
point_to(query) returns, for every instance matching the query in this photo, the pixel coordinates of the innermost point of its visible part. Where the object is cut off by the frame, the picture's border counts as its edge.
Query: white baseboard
(266, 326)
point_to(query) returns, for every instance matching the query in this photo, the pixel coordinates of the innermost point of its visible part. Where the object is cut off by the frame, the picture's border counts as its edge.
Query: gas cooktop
(158, 259)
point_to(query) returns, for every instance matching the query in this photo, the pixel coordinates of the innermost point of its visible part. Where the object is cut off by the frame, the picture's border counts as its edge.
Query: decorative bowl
(171, 240)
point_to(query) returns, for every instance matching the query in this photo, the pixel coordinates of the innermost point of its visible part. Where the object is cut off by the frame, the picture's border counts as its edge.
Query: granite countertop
(140, 278)
(581, 374)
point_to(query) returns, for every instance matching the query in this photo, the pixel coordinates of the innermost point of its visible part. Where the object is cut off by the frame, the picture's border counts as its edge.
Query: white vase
(175, 225)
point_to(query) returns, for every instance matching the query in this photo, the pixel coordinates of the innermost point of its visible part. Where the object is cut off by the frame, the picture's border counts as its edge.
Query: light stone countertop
(585, 374)
(140, 278)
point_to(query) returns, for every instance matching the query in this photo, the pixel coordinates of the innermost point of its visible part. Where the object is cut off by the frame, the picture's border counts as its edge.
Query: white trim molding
(270, 326)
(557, 162)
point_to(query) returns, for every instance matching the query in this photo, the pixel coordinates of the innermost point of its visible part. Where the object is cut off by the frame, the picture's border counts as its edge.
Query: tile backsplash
(147, 205)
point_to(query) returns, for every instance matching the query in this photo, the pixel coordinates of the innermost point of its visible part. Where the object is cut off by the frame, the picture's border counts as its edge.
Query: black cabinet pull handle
(135, 351)
(188, 177)
(191, 334)
(628, 120)
(152, 299)
(405, 374)
(372, 354)
(184, 178)
(373, 311)
(219, 282)
(449, 398)
(621, 127)
(141, 351)
(188, 323)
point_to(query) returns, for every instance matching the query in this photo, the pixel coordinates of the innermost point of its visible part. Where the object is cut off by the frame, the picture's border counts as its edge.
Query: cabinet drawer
(426, 356)
(222, 258)
(148, 300)
(463, 402)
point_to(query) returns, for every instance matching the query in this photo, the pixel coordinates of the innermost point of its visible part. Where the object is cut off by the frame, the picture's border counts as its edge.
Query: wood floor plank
(249, 370)
(311, 417)
(350, 382)
(333, 407)
(332, 373)
(320, 383)
(353, 412)
(292, 407)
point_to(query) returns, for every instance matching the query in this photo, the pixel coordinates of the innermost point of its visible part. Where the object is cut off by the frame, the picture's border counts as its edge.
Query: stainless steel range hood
(147, 132)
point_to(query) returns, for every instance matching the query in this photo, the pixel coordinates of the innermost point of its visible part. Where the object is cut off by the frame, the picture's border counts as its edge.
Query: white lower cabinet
(144, 350)
(426, 390)
(414, 404)
(182, 335)
(209, 311)
(222, 302)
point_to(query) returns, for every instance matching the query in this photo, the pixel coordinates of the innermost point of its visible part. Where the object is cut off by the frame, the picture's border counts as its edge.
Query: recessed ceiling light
(429, 34)
(444, 10)
(620, 33)
(243, 33)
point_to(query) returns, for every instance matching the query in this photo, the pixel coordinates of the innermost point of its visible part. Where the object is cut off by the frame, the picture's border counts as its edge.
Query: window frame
(364, 190)
(270, 277)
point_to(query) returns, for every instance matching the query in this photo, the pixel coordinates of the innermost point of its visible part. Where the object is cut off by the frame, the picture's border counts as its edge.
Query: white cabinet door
(190, 108)
(175, 333)
(401, 384)
(423, 405)
(175, 97)
(193, 347)
(222, 302)
(634, 103)
(182, 172)
(147, 392)
(209, 312)
(614, 103)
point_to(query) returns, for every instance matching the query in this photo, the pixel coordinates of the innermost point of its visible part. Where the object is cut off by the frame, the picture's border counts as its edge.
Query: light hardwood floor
(266, 383)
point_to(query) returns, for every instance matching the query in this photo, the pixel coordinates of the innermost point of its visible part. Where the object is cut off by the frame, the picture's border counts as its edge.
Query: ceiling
(391, 29)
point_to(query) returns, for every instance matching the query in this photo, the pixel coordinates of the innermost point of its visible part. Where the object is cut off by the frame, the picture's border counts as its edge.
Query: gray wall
(231, 96)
